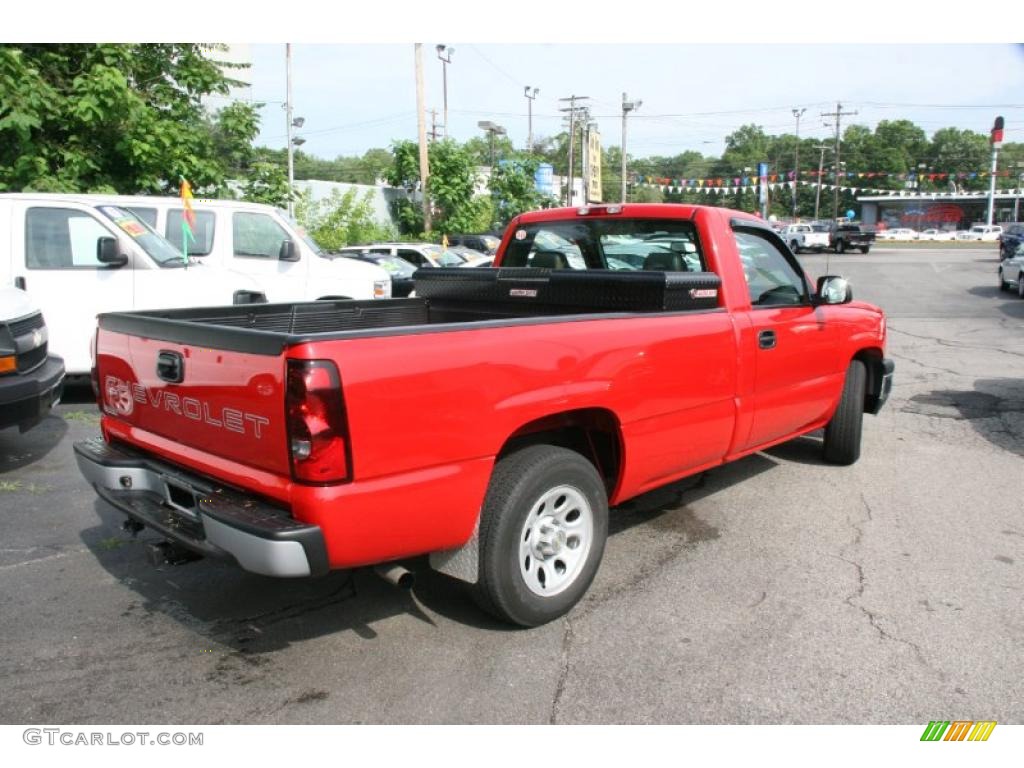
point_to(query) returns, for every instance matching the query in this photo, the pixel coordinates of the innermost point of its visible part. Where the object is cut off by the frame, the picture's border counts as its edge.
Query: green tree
(452, 187)
(513, 188)
(115, 117)
(341, 219)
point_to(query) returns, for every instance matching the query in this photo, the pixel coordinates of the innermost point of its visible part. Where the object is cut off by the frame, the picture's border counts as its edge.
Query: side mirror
(108, 252)
(833, 289)
(288, 251)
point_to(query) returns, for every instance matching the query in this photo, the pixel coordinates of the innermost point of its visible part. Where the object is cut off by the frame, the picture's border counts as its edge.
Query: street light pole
(797, 113)
(444, 53)
(529, 107)
(288, 118)
(627, 107)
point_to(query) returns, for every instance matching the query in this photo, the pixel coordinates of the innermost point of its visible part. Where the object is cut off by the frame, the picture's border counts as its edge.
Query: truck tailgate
(227, 402)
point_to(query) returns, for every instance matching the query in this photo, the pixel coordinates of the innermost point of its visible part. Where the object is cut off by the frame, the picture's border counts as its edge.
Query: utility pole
(627, 107)
(572, 138)
(821, 171)
(444, 53)
(997, 142)
(421, 124)
(838, 115)
(288, 117)
(529, 107)
(797, 113)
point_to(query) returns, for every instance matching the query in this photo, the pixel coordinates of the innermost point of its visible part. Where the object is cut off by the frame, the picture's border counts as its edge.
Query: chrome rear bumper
(199, 514)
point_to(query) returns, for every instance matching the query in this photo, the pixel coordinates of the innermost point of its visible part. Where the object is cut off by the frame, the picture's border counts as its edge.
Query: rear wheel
(865, 248)
(842, 435)
(1003, 285)
(1020, 285)
(840, 246)
(542, 533)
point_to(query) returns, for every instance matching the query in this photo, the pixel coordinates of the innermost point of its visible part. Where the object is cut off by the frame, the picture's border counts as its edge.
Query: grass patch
(86, 417)
(10, 485)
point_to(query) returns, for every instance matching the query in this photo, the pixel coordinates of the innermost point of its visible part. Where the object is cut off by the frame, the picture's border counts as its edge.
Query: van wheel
(842, 435)
(542, 533)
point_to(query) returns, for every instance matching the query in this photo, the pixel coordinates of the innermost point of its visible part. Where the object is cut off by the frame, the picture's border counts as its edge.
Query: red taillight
(317, 427)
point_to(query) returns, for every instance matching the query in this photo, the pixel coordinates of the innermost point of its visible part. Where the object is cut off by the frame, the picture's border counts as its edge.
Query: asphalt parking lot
(774, 590)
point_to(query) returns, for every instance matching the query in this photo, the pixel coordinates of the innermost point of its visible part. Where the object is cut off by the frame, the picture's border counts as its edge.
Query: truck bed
(446, 297)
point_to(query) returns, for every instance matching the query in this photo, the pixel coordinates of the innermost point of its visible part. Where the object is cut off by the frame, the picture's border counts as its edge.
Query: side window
(771, 278)
(414, 257)
(256, 235)
(205, 224)
(148, 215)
(62, 238)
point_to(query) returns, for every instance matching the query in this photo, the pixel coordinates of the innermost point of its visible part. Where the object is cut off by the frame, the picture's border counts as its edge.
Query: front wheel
(1003, 285)
(1020, 285)
(842, 435)
(543, 528)
(865, 249)
(840, 246)
(794, 247)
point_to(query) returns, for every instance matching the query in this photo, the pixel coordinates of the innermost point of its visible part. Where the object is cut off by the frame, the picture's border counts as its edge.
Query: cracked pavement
(774, 590)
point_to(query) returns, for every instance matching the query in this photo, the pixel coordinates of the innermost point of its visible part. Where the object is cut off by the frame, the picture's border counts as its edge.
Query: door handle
(170, 367)
(766, 339)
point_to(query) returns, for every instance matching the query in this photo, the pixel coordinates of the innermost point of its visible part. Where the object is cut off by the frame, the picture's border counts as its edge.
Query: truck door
(67, 281)
(796, 350)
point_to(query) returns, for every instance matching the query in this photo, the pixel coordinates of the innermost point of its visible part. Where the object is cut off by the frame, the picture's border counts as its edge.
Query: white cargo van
(77, 257)
(257, 240)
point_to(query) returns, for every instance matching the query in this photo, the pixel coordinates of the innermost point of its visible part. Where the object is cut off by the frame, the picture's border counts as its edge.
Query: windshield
(158, 249)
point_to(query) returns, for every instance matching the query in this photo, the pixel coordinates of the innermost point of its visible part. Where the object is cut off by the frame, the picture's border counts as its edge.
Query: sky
(358, 96)
(701, 69)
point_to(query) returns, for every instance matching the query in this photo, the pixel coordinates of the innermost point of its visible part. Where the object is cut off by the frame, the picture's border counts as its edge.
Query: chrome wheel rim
(555, 540)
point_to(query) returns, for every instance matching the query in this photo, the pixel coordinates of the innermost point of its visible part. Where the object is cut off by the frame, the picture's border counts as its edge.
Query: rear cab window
(607, 243)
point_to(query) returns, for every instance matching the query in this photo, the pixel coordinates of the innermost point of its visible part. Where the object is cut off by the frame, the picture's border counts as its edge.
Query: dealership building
(939, 210)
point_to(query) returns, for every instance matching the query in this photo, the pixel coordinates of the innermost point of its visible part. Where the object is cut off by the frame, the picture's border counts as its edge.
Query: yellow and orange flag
(188, 221)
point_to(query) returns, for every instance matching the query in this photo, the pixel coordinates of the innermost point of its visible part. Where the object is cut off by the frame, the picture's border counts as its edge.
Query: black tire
(1003, 285)
(518, 484)
(1020, 285)
(840, 246)
(842, 435)
(794, 247)
(865, 249)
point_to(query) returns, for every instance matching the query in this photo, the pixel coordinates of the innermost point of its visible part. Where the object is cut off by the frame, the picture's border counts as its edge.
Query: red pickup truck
(491, 420)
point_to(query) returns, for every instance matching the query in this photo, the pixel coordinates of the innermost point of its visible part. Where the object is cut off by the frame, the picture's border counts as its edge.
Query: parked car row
(979, 232)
